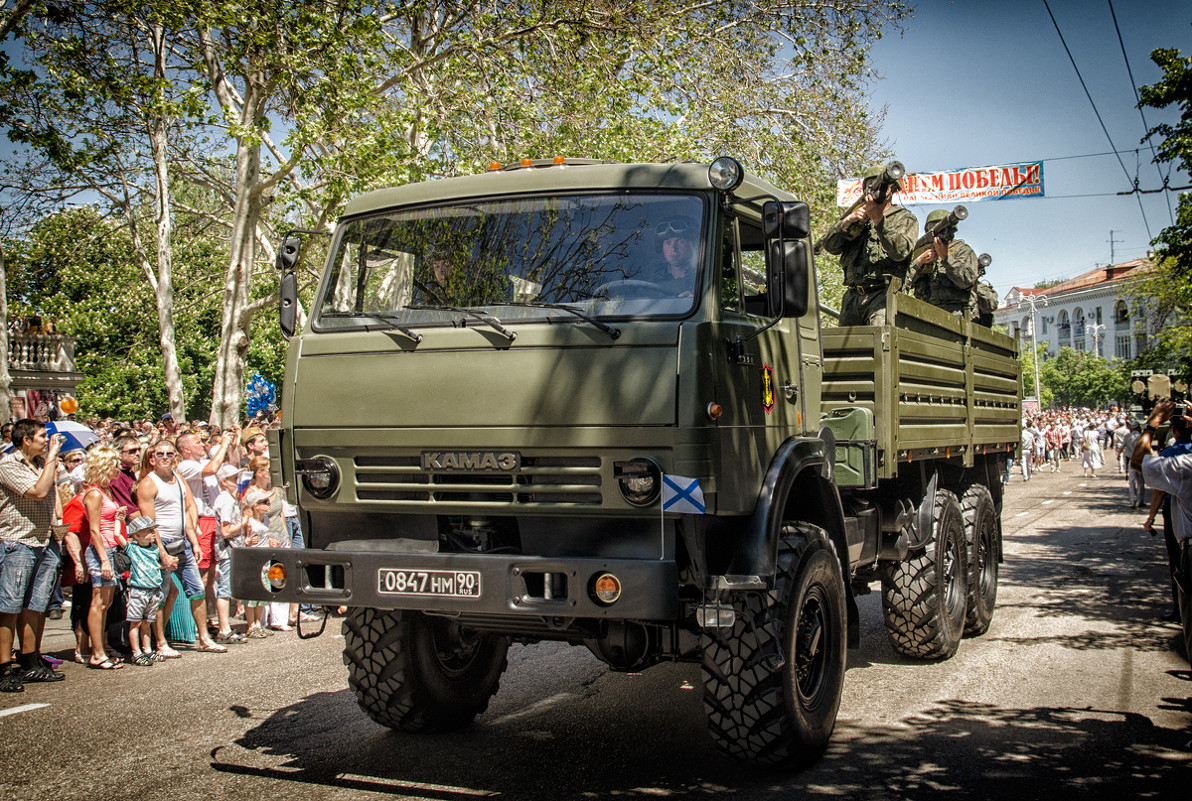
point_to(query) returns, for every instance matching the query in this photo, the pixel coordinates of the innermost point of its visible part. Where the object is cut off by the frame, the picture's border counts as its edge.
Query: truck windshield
(605, 255)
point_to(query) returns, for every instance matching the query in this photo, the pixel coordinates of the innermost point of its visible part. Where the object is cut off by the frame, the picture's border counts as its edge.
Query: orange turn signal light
(715, 411)
(607, 588)
(276, 575)
(527, 162)
(560, 160)
(494, 165)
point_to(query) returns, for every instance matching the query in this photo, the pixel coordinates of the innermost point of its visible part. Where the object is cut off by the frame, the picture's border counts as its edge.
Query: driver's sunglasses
(669, 228)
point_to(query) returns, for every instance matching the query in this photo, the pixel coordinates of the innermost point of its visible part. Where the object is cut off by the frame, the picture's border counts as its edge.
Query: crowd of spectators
(106, 529)
(1056, 436)
(1051, 438)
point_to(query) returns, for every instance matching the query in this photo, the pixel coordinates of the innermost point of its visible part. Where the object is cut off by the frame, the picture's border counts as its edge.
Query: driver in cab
(679, 248)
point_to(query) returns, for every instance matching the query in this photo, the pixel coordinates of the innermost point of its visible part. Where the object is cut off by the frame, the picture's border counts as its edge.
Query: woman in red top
(105, 520)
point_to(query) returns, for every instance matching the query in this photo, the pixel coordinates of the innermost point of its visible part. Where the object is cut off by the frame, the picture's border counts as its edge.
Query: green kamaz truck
(601, 404)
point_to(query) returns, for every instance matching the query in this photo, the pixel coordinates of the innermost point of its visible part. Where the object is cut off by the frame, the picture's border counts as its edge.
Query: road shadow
(951, 750)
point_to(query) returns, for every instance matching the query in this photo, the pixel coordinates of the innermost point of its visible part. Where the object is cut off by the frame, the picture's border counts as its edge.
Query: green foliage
(337, 97)
(76, 268)
(1164, 299)
(1029, 361)
(1176, 147)
(1083, 379)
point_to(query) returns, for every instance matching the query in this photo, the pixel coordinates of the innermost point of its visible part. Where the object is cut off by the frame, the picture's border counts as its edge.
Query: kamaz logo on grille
(475, 461)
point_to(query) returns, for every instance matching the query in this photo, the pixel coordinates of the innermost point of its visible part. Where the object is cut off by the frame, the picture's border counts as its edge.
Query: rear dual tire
(924, 596)
(984, 543)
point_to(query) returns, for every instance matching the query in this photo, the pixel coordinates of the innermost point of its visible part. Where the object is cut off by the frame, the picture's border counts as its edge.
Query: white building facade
(1088, 313)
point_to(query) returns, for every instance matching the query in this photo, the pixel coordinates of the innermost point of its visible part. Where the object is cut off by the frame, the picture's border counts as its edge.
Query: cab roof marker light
(527, 162)
(494, 165)
(560, 160)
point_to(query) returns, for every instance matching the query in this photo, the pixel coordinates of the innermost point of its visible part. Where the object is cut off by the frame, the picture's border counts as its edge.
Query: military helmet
(870, 177)
(938, 214)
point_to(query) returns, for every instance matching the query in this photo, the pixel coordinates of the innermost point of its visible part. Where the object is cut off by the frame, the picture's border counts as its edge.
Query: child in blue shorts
(144, 595)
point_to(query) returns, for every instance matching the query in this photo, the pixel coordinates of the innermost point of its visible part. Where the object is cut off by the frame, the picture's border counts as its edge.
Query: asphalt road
(1077, 690)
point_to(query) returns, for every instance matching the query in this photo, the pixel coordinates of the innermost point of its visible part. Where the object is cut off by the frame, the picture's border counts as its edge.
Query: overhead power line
(1138, 99)
(1089, 95)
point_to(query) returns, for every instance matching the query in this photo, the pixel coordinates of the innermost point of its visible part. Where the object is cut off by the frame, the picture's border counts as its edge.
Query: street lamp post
(1034, 301)
(1097, 329)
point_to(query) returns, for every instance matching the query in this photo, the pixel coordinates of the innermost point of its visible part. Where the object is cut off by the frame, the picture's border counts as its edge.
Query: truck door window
(730, 290)
(753, 268)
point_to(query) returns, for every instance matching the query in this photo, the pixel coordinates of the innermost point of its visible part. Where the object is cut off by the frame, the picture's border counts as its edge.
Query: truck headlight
(320, 476)
(640, 481)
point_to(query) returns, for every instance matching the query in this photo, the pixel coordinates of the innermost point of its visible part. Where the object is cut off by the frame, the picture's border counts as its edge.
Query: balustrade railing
(46, 353)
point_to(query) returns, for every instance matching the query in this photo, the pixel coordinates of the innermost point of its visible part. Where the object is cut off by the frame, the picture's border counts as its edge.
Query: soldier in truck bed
(874, 242)
(946, 271)
(985, 299)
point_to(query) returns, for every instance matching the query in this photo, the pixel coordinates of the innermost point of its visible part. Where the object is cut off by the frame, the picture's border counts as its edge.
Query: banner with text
(999, 182)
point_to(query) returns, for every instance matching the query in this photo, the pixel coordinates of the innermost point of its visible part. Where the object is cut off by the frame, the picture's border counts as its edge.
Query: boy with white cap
(144, 595)
(233, 524)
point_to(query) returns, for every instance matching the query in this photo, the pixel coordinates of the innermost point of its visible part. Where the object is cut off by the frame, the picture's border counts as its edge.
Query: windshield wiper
(487, 319)
(613, 333)
(391, 319)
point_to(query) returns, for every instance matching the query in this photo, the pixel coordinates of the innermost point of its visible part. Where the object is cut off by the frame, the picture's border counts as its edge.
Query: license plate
(433, 583)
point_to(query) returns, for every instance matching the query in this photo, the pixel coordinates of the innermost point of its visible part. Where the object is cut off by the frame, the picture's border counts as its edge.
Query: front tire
(420, 673)
(923, 596)
(781, 715)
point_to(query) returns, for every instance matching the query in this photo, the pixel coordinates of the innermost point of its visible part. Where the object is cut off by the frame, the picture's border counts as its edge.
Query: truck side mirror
(287, 259)
(288, 310)
(287, 254)
(788, 268)
(787, 220)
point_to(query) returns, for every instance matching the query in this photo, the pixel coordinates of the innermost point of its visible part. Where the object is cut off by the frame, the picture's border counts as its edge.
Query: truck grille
(542, 481)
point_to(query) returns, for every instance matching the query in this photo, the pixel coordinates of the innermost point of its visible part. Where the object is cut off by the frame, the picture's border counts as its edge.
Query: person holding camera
(29, 556)
(1172, 474)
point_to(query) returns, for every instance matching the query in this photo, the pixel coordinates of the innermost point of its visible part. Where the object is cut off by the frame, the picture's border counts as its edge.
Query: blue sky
(972, 83)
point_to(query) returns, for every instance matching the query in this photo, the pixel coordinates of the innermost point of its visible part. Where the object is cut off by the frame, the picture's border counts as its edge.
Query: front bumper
(509, 584)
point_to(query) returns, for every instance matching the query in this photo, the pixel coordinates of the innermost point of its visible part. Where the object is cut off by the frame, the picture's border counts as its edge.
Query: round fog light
(607, 588)
(640, 481)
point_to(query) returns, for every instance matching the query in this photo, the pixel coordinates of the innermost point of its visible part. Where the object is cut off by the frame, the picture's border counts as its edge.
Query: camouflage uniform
(948, 284)
(985, 301)
(871, 257)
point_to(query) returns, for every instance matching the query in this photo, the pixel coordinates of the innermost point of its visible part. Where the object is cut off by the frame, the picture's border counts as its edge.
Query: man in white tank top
(199, 473)
(165, 498)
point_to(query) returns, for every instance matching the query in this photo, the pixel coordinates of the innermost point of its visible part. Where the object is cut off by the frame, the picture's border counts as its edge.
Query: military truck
(601, 404)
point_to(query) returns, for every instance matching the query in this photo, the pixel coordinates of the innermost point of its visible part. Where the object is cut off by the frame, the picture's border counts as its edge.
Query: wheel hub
(810, 648)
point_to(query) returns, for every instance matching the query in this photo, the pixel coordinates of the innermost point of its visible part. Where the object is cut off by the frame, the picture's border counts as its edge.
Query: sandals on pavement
(256, 633)
(212, 648)
(82, 658)
(229, 638)
(143, 660)
(107, 664)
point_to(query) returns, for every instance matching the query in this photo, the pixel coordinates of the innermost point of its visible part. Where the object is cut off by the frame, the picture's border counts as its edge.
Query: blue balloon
(259, 394)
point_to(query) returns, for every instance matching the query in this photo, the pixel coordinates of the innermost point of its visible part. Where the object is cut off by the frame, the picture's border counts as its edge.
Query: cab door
(760, 378)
